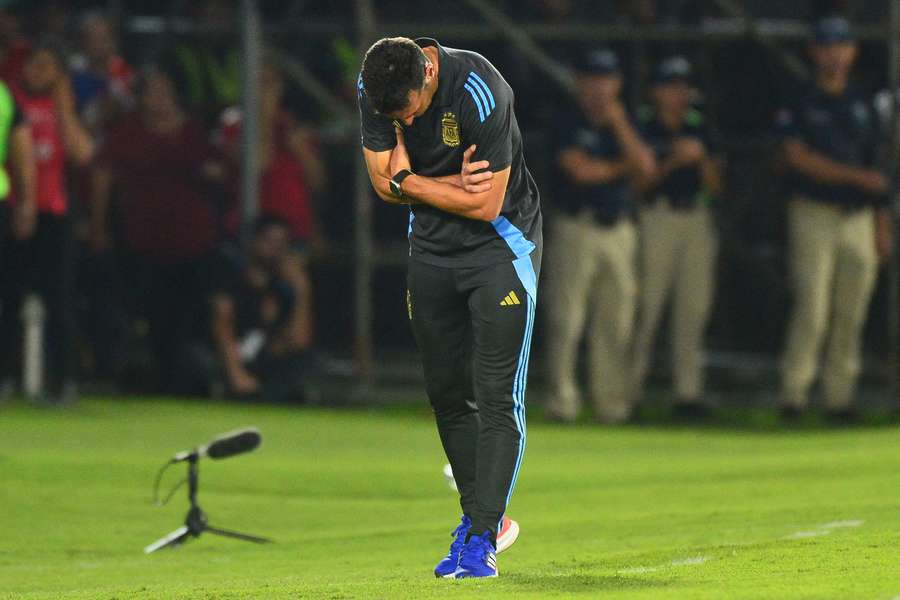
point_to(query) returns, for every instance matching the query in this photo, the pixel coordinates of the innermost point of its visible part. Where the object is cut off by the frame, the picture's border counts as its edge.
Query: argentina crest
(450, 130)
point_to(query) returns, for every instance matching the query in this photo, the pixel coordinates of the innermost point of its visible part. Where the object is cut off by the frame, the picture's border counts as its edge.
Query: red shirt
(283, 191)
(166, 206)
(40, 112)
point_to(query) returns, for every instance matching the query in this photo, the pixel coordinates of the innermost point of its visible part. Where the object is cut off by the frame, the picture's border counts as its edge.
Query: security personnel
(592, 284)
(678, 239)
(838, 223)
(439, 134)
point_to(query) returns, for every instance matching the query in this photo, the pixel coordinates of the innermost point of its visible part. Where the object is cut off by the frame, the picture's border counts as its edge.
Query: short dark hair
(51, 45)
(266, 222)
(391, 69)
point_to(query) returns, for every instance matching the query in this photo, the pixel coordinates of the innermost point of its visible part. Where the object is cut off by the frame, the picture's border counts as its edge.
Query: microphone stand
(196, 521)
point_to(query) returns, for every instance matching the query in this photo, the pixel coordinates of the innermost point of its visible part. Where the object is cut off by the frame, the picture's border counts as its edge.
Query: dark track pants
(473, 327)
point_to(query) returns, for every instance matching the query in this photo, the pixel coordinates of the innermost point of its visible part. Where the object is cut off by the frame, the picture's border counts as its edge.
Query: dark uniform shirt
(472, 105)
(607, 202)
(682, 188)
(844, 128)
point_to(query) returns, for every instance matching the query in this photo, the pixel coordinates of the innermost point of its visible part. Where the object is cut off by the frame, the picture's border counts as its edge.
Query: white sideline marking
(678, 562)
(696, 560)
(800, 535)
(839, 524)
(824, 529)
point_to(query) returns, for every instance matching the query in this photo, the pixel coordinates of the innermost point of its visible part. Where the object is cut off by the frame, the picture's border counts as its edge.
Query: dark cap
(672, 68)
(832, 30)
(601, 61)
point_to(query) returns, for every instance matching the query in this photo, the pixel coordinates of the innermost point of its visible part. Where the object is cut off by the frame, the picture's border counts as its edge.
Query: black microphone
(227, 444)
(234, 442)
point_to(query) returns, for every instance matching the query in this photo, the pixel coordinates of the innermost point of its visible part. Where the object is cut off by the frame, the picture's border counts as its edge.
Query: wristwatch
(397, 180)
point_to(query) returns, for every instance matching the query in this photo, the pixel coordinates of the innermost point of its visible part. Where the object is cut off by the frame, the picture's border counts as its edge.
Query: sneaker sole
(508, 537)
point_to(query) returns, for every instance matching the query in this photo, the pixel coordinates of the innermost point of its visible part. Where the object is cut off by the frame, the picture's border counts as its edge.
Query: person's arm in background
(101, 193)
(637, 155)
(297, 334)
(24, 176)
(686, 151)
(76, 139)
(583, 169)
(305, 150)
(240, 380)
(822, 169)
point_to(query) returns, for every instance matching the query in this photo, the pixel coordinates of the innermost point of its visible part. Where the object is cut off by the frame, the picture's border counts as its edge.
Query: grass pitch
(359, 508)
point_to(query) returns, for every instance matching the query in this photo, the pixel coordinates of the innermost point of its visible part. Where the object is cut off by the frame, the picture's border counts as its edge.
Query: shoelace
(459, 538)
(480, 549)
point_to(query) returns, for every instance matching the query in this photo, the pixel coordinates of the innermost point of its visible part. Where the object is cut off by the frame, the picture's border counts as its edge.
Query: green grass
(359, 509)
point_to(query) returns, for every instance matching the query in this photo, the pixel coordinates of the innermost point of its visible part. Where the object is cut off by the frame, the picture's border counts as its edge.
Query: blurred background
(154, 264)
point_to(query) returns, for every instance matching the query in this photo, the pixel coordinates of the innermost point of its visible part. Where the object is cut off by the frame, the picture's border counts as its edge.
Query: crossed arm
(476, 193)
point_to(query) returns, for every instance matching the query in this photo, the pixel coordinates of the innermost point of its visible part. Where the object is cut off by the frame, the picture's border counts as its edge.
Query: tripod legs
(171, 540)
(195, 524)
(241, 536)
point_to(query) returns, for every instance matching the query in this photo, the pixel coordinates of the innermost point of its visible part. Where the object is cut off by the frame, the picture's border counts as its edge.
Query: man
(475, 252)
(103, 82)
(678, 240)
(839, 223)
(45, 262)
(599, 156)
(262, 316)
(159, 170)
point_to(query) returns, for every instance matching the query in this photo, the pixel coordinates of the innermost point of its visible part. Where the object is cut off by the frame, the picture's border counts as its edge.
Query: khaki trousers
(834, 267)
(678, 261)
(592, 289)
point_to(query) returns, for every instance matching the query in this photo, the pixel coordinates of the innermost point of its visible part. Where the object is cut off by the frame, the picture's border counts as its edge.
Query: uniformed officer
(592, 284)
(838, 223)
(678, 239)
(475, 253)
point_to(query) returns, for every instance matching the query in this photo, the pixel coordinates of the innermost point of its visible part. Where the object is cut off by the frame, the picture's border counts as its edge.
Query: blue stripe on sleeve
(484, 100)
(477, 101)
(484, 85)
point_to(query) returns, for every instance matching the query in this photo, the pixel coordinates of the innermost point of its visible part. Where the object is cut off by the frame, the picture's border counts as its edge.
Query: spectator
(839, 223)
(593, 244)
(164, 173)
(262, 317)
(103, 81)
(291, 164)
(44, 263)
(678, 240)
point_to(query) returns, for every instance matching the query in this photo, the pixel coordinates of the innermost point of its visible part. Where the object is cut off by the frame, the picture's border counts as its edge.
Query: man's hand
(243, 383)
(473, 181)
(872, 181)
(687, 151)
(615, 112)
(399, 156)
(62, 93)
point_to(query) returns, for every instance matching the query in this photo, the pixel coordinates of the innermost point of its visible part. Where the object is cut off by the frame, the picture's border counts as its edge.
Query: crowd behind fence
(135, 248)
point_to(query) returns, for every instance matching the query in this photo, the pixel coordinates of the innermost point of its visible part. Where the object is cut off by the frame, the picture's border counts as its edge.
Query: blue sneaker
(447, 566)
(478, 558)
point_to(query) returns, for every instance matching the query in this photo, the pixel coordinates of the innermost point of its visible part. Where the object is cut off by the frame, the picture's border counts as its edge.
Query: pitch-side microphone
(227, 444)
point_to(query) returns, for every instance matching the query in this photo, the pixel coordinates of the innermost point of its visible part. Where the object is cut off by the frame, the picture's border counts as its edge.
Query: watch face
(395, 188)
